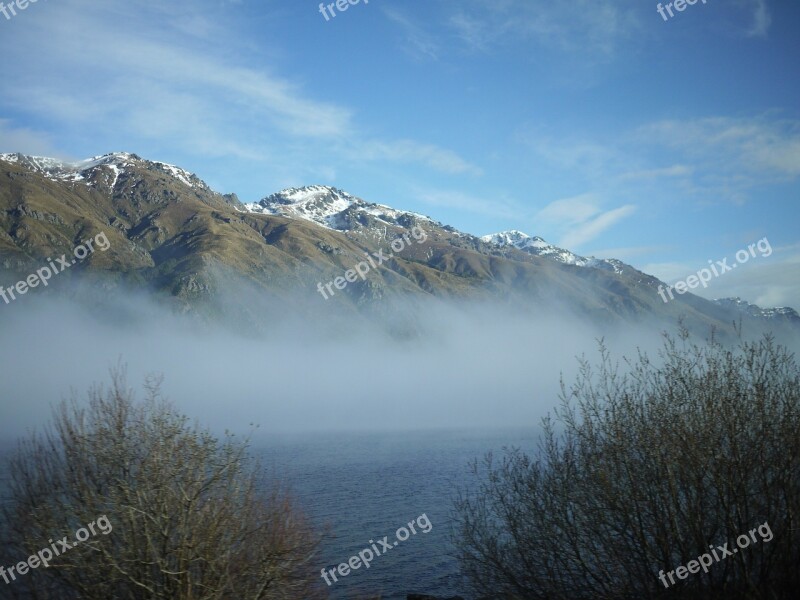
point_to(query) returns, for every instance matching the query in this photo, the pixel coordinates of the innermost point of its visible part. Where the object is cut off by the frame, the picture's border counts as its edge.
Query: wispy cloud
(186, 84)
(673, 171)
(588, 231)
(629, 253)
(27, 141)
(591, 27)
(763, 148)
(503, 208)
(719, 158)
(581, 219)
(571, 211)
(768, 282)
(160, 76)
(418, 42)
(583, 156)
(435, 157)
(762, 18)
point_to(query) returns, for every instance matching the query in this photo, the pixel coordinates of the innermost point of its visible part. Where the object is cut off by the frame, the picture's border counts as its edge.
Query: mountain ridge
(172, 233)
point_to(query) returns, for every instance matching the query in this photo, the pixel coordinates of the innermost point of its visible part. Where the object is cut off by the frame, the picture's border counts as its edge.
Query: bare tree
(191, 518)
(642, 471)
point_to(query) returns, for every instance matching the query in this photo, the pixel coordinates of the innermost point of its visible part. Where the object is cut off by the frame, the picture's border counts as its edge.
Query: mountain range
(171, 235)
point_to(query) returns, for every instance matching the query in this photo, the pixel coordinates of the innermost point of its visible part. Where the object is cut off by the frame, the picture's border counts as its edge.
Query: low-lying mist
(467, 366)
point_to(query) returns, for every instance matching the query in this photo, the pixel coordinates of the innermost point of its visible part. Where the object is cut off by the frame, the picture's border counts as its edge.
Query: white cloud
(628, 253)
(589, 230)
(178, 79)
(670, 271)
(27, 141)
(419, 42)
(572, 211)
(494, 207)
(762, 19)
(581, 219)
(673, 171)
(435, 157)
(592, 28)
(767, 281)
(762, 149)
(579, 155)
(142, 77)
(711, 159)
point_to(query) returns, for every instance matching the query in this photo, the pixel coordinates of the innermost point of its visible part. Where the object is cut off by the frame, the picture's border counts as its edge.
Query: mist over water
(370, 421)
(466, 366)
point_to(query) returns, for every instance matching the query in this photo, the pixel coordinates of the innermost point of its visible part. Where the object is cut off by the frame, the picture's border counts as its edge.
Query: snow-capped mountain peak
(83, 170)
(536, 246)
(779, 312)
(508, 238)
(330, 207)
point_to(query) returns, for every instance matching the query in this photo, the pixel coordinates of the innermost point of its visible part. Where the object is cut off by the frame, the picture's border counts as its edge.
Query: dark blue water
(366, 486)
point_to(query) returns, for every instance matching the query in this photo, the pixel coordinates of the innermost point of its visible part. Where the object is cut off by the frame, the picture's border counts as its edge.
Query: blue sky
(592, 123)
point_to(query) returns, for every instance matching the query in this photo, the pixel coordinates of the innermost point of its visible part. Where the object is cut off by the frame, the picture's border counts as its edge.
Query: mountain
(333, 209)
(538, 247)
(780, 314)
(104, 171)
(204, 252)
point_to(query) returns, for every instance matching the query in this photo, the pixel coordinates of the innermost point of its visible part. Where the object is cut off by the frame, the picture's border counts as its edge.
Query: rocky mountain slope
(172, 235)
(782, 314)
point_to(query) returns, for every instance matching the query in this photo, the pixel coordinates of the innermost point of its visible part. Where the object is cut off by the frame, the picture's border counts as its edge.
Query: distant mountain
(778, 314)
(332, 208)
(171, 234)
(538, 247)
(104, 170)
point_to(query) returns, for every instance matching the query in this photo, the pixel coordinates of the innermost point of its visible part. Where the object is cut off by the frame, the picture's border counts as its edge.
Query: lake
(366, 486)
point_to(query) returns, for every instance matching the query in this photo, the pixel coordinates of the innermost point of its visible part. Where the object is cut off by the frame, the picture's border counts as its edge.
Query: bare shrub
(191, 518)
(643, 470)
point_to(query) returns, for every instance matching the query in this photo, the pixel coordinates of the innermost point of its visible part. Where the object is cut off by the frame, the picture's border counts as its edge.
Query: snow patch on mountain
(779, 312)
(331, 208)
(538, 247)
(116, 163)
